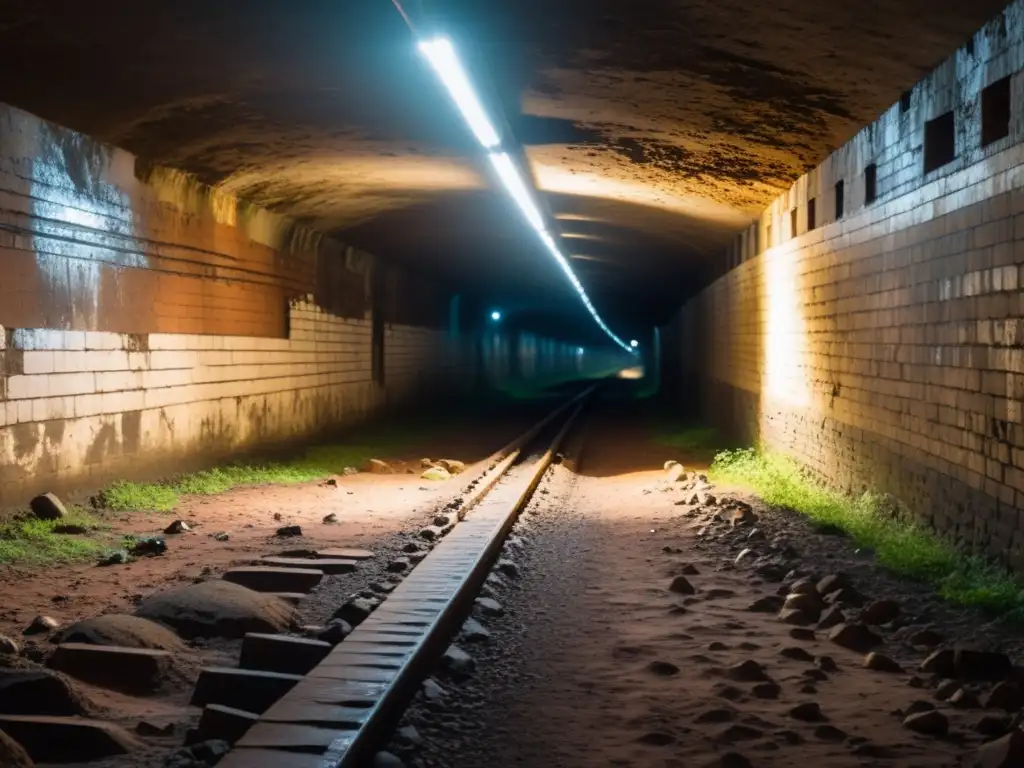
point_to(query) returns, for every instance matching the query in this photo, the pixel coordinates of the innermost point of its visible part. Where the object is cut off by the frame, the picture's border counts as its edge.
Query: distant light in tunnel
(495, 315)
(579, 350)
(441, 55)
(634, 343)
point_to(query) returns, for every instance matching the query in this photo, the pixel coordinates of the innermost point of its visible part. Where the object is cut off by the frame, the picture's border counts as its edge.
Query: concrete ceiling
(655, 129)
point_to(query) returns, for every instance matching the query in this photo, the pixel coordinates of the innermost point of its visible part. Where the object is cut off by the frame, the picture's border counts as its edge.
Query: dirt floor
(367, 506)
(597, 662)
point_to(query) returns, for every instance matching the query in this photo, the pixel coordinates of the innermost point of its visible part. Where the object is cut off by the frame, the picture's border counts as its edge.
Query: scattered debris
(41, 625)
(330, 519)
(436, 473)
(289, 530)
(178, 526)
(221, 536)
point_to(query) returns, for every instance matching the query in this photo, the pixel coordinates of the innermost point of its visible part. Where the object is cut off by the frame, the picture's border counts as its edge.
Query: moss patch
(875, 521)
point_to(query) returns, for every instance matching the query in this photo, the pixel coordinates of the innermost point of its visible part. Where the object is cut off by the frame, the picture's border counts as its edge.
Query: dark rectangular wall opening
(792, 223)
(839, 200)
(905, 102)
(870, 184)
(995, 111)
(768, 237)
(811, 213)
(939, 141)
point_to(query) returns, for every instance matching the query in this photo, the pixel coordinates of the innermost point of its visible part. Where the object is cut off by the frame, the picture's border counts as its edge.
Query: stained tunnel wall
(883, 347)
(150, 324)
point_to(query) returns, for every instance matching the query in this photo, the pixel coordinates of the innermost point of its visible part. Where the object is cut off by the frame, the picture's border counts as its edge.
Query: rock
(881, 663)
(689, 570)
(748, 671)
(473, 632)
(507, 568)
(67, 739)
(411, 546)
(436, 474)
(855, 637)
(918, 705)
(70, 529)
(117, 629)
(8, 646)
(330, 519)
(221, 536)
(133, 670)
(681, 586)
(740, 517)
(1007, 752)
(335, 631)
(940, 663)
(151, 545)
(809, 712)
(675, 473)
(930, 723)
(217, 608)
(442, 520)
(663, 668)
(458, 661)
(399, 565)
(880, 612)
(432, 691)
(454, 466)
(982, 665)
(795, 616)
(826, 664)
(801, 633)
(12, 755)
(25, 692)
(766, 604)
(1005, 695)
(349, 471)
(832, 617)
(115, 557)
(1004, 752)
(945, 689)
(745, 554)
(831, 583)
(994, 726)
(375, 467)
(48, 507)
(41, 625)
(766, 690)
(965, 699)
(356, 610)
(426, 463)
(386, 760)
(810, 604)
(289, 530)
(926, 637)
(487, 606)
(178, 526)
(796, 654)
(428, 534)
(803, 586)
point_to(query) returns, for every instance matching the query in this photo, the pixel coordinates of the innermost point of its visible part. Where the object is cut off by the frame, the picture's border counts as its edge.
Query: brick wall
(151, 324)
(883, 344)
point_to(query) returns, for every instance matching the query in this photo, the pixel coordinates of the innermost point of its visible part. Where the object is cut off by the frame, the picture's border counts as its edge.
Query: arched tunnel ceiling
(655, 129)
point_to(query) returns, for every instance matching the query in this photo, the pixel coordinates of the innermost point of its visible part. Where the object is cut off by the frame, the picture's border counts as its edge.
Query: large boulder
(39, 692)
(123, 630)
(12, 755)
(218, 609)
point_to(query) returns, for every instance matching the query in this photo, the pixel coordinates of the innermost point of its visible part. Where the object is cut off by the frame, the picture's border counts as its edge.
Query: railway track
(299, 703)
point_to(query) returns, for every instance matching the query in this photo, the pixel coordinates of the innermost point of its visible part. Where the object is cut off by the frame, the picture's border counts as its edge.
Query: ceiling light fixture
(441, 55)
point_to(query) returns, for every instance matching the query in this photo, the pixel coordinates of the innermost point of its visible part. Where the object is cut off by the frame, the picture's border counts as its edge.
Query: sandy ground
(597, 663)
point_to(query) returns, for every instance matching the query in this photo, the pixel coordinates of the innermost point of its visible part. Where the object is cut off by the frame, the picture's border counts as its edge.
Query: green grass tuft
(33, 542)
(317, 463)
(877, 522)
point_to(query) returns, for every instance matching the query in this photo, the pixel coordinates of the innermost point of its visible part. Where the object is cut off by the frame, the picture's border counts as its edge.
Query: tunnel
(448, 384)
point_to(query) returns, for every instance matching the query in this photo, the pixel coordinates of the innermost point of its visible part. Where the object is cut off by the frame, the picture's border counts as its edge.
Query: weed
(34, 542)
(871, 520)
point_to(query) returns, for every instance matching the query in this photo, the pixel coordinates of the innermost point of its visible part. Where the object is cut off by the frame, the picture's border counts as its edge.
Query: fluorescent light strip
(442, 57)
